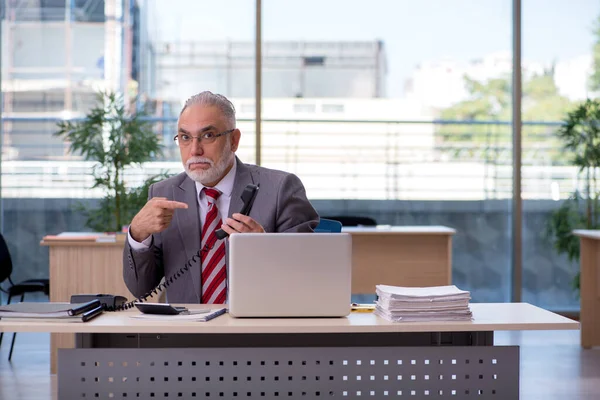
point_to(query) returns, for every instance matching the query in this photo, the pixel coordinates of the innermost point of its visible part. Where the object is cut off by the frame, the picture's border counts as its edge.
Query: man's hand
(154, 217)
(241, 223)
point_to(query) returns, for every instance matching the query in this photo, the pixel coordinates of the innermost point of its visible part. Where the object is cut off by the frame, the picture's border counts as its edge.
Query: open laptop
(290, 274)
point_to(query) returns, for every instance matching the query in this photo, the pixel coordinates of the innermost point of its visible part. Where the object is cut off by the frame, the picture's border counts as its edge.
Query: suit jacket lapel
(188, 222)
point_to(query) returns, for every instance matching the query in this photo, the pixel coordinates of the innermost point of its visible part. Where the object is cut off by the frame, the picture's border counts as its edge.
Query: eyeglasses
(185, 140)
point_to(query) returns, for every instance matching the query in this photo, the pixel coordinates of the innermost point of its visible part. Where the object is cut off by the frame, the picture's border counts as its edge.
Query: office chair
(348, 220)
(328, 225)
(28, 286)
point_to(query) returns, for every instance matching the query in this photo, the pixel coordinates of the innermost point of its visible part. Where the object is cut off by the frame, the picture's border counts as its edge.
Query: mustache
(199, 159)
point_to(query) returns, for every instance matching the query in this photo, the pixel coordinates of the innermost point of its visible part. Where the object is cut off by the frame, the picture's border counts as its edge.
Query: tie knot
(212, 194)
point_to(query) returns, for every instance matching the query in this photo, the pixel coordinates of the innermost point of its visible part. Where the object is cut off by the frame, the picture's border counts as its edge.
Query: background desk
(590, 287)
(400, 256)
(295, 357)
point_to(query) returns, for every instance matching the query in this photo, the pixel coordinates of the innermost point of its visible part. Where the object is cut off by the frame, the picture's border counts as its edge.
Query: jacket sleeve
(294, 211)
(143, 269)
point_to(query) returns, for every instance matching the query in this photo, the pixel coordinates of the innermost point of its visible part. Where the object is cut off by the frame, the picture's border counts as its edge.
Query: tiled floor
(553, 367)
(27, 376)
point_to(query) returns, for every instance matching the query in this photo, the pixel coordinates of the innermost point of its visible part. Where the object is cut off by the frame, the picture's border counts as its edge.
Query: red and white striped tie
(214, 270)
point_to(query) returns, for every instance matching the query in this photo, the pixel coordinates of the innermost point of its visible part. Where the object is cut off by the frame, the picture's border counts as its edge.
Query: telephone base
(107, 300)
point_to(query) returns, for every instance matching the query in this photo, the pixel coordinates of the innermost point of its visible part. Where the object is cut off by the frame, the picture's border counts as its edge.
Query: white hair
(210, 99)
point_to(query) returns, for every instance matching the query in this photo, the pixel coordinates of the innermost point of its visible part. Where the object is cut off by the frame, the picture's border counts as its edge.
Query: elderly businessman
(184, 212)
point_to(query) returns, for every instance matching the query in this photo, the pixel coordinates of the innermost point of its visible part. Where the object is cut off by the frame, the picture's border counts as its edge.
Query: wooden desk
(487, 317)
(589, 260)
(297, 358)
(400, 256)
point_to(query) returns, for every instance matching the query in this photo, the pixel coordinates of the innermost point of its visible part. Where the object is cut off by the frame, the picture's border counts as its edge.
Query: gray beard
(215, 172)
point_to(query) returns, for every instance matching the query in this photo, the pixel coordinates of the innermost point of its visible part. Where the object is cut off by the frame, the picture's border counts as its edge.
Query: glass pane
(197, 45)
(374, 107)
(51, 58)
(55, 60)
(557, 76)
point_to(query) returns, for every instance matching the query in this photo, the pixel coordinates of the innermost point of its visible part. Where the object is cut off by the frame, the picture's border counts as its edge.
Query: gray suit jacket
(281, 205)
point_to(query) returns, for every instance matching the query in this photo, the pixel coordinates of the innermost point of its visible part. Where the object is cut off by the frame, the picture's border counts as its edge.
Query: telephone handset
(248, 197)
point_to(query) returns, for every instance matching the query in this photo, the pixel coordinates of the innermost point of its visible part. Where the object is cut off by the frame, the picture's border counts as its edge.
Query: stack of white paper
(421, 304)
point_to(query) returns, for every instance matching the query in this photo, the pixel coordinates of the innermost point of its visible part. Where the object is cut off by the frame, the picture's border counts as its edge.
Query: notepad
(198, 317)
(51, 311)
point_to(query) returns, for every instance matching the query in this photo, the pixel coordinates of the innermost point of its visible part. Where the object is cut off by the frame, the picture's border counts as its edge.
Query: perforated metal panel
(291, 373)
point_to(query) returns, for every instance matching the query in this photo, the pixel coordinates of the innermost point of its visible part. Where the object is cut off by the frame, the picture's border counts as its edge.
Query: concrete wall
(481, 247)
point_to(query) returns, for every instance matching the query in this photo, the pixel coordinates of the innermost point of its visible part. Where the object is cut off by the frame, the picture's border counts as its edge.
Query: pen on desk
(215, 314)
(362, 307)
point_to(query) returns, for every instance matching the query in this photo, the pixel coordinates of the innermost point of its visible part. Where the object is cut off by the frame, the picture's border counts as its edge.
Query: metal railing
(352, 159)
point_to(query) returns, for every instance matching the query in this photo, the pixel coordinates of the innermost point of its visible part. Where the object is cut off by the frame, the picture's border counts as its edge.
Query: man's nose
(196, 148)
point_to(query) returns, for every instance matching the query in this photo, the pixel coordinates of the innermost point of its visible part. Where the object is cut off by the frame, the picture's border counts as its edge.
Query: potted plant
(115, 139)
(580, 135)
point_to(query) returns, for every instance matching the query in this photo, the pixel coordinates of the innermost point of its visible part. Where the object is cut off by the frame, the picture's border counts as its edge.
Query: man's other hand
(240, 223)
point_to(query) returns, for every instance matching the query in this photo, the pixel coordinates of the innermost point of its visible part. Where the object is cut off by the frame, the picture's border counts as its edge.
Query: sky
(413, 31)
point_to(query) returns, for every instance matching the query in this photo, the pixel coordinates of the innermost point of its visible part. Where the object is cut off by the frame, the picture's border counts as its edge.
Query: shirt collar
(225, 185)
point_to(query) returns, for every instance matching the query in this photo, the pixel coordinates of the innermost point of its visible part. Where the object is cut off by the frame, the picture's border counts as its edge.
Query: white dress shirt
(225, 186)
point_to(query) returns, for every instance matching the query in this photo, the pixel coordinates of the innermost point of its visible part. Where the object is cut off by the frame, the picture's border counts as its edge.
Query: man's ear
(235, 139)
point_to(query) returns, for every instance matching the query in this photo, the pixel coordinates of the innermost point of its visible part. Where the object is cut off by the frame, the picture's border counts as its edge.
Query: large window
(57, 55)
(558, 74)
(394, 109)
(51, 65)
(197, 45)
(400, 111)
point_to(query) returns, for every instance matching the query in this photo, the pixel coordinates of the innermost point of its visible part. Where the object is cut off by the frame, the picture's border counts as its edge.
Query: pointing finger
(170, 204)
